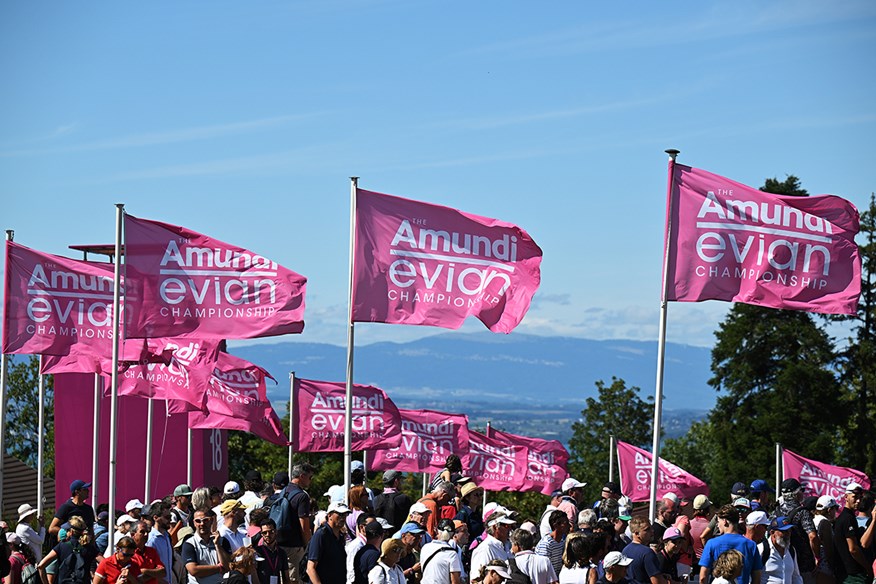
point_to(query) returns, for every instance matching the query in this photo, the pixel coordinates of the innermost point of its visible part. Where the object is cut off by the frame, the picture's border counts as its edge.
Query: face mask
(784, 541)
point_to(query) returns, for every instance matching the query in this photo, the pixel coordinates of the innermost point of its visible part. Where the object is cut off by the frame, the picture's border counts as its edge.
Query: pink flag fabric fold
(427, 438)
(56, 306)
(320, 416)
(185, 284)
(422, 264)
(546, 461)
(734, 243)
(819, 478)
(496, 465)
(635, 474)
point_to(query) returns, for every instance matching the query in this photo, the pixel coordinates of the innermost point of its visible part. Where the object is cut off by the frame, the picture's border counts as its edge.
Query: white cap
(825, 502)
(335, 494)
(571, 483)
(615, 559)
(757, 518)
(124, 519)
(133, 504)
(419, 508)
(853, 486)
(338, 508)
(231, 488)
(497, 518)
(384, 523)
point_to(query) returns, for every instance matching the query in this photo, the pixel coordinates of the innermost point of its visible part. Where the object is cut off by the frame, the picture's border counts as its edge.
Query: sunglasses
(126, 552)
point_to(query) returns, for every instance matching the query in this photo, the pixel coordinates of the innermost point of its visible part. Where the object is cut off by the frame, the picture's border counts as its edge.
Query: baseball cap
(502, 571)
(742, 502)
(78, 484)
(124, 519)
(611, 487)
(760, 485)
(335, 494)
(739, 489)
(780, 523)
(571, 483)
(228, 506)
(133, 504)
(231, 488)
(384, 523)
(825, 502)
(357, 465)
(253, 475)
(853, 487)
(701, 502)
(790, 486)
(674, 498)
(419, 508)
(615, 559)
(281, 479)
(672, 534)
(412, 527)
(390, 476)
(102, 516)
(498, 518)
(556, 493)
(182, 491)
(757, 518)
(338, 508)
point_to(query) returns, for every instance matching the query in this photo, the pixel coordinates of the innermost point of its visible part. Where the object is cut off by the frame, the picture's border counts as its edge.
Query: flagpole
(4, 364)
(778, 467)
(425, 481)
(95, 429)
(149, 427)
(188, 452)
(611, 449)
(487, 433)
(661, 345)
(348, 401)
(114, 387)
(291, 420)
(41, 438)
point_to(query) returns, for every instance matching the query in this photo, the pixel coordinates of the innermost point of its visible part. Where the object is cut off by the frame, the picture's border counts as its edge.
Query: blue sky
(244, 120)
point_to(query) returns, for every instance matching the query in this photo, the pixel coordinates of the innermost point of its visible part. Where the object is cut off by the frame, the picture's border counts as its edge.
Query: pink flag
(422, 264)
(237, 400)
(635, 474)
(54, 305)
(734, 243)
(496, 465)
(427, 438)
(320, 416)
(183, 283)
(819, 478)
(83, 360)
(546, 468)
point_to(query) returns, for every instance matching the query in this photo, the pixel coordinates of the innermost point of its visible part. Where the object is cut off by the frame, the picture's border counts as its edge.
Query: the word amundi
(78, 302)
(764, 232)
(216, 276)
(820, 483)
(439, 253)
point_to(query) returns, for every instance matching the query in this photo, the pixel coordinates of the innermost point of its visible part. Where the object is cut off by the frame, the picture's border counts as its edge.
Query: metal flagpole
(348, 401)
(114, 387)
(612, 447)
(485, 490)
(291, 420)
(149, 427)
(41, 438)
(95, 438)
(425, 482)
(188, 453)
(779, 468)
(4, 364)
(661, 346)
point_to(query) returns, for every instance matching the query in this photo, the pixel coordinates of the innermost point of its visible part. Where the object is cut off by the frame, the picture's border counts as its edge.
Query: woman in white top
(577, 567)
(386, 571)
(25, 531)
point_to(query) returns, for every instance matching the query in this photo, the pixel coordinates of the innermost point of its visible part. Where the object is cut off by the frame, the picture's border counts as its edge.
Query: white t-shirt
(576, 575)
(442, 560)
(383, 574)
(538, 568)
(489, 549)
(351, 548)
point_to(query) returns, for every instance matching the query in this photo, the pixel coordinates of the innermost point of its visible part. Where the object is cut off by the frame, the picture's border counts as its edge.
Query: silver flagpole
(779, 469)
(149, 428)
(95, 438)
(661, 348)
(188, 453)
(114, 387)
(4, 364)
(41, 438)
(348, 401)
(489, 427)
(291, 419)
(425, 482)
(612, 446)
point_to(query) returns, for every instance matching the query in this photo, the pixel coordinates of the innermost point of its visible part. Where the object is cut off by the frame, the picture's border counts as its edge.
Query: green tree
(619, 411)
(775, 371)
(22, 411)
(857, 360)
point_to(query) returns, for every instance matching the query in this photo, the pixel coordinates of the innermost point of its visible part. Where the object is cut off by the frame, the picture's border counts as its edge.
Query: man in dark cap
(74, 506)
(760, 495)
(392, 504)
(804, 535)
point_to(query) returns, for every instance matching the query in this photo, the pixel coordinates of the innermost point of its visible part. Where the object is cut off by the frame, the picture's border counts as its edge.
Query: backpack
(518, 576)
(73, 570)
(29, 573)
(281, 512)
(800, 541)
(385, 506)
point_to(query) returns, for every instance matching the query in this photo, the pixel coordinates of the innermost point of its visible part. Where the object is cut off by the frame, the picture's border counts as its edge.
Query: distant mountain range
(522, 383)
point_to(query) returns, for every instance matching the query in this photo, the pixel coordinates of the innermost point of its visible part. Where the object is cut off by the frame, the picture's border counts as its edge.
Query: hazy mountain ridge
(522, 383)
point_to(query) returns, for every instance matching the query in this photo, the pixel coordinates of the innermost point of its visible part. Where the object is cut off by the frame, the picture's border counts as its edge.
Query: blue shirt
(751, 561)
(645, 563)
(161, 543)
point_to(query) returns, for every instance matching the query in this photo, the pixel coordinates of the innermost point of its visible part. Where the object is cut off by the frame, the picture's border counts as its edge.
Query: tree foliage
(619, 411)
(22, 413)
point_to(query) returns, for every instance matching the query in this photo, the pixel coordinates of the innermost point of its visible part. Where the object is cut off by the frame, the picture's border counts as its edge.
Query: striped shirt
(553, 549)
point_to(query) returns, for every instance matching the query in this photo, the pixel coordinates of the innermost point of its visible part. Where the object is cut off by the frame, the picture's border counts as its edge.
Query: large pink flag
(422, 264)
(496, 465)
(183, 283)
(546, 461)
(635, 474)
(236, 399)
(54, 305)
(819, 478)
(734, 243)
(427, 438)
(320, 416)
